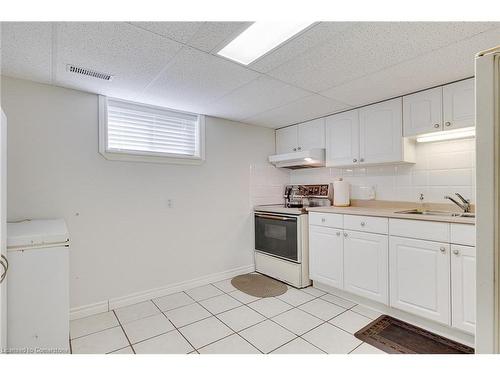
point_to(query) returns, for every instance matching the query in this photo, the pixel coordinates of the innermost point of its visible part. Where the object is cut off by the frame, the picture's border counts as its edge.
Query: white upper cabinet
(420, 277)
(381, 133)
(342, 139)
(287, 140)
(367, 136)
(422, 112)
(301, 137)
(311, 134)
(459, 105)
(442, 108)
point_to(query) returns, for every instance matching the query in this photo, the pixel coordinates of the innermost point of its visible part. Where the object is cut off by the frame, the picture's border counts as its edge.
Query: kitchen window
(131, 131)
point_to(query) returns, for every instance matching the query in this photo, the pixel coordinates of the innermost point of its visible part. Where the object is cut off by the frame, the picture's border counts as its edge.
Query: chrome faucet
(465, 205)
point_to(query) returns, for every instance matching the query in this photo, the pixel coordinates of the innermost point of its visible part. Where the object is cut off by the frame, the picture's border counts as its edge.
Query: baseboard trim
(86, 310)
(113, 303)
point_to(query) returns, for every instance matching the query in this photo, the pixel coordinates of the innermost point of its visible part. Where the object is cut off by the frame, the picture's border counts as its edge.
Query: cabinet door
(312, 134)
(381, 133)
(420, 277)
(326, 255)
(342, 139)
(423, 112)
(366, 265)
(286, 139)
(463, 287)
(459, 105)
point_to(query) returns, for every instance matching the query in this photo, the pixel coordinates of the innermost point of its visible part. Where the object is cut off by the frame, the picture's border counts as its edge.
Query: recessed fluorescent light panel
(446, 135)
(260, 38)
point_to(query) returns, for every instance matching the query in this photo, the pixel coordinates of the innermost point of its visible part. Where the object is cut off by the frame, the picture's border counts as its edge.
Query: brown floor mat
(259, 285)
(395, 336)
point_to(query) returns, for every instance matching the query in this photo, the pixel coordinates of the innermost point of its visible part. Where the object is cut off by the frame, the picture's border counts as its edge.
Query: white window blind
(137, 129)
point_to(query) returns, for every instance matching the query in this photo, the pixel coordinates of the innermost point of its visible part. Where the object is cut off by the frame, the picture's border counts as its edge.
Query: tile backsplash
(441, 168)
(267, 184)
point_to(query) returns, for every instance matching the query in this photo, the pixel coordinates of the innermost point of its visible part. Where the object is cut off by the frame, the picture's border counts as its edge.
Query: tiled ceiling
(330, 67)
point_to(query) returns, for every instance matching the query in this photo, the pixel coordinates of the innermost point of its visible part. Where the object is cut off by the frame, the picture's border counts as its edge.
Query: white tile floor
(217, 318)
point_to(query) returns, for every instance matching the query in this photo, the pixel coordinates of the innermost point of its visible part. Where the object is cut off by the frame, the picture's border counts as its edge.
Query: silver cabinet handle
(442, 249)
(354, 160)
(456, 252)
(363, 223)
(295, 149)
(338, 233)
(323, 219)
(447, 123)
(361, 160)
(436, 126)
(299, 148)
(5, 265)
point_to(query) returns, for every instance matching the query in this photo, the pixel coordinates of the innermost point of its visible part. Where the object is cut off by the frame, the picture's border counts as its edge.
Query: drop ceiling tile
(179, 31)
(26, 50)
(255, 97)
(370, 47)
(298, 111)
(212, 36)
(313, 37)
(447, 64)
(134, 56)
(195, 79)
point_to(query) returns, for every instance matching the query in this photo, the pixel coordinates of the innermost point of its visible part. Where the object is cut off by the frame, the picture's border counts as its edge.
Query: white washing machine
(38, 287)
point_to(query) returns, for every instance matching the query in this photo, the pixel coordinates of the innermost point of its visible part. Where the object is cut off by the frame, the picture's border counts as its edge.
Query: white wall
(442, 168)
(125, 239)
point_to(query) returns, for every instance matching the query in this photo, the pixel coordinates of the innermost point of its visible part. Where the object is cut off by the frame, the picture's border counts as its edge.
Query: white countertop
(280, 209)
(387, 211)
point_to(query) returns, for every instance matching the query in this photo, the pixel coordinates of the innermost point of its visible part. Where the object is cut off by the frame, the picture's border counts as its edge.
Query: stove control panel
(310, 191)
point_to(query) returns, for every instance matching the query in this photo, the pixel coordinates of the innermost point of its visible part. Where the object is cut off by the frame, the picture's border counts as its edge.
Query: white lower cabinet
(365, 265)
(420, 277)
(463, 287)
(424, 268)
(326, 255)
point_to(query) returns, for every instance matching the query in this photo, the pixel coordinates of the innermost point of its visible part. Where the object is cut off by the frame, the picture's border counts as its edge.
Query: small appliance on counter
(281, 233)
(341, 195)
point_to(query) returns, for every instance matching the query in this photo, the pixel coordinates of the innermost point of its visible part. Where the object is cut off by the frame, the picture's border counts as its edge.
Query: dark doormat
(395, 336)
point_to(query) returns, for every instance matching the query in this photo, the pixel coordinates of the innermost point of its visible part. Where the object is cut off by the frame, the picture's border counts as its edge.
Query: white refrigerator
(487, 200)
(3, 231)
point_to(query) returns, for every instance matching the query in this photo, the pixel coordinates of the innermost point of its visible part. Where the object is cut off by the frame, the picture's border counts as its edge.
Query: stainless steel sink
(436, 213)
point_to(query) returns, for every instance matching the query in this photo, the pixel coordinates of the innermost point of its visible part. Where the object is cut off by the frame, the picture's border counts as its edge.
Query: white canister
(341, 197)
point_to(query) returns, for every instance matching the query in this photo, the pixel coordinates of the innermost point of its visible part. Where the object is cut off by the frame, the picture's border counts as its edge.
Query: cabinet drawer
(463, 234)
(326, 220)
(366, 223)
(425, 230)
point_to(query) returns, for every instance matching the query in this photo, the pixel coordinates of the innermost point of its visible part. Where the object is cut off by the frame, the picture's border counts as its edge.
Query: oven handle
(284, 218)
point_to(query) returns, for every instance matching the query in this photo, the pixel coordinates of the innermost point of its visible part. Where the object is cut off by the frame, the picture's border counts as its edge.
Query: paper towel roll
(341, 196)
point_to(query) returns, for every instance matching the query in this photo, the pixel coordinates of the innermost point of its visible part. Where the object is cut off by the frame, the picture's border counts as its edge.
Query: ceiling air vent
(88, 72)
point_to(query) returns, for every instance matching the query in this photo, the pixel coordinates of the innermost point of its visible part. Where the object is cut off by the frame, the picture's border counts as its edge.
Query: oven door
(277, 235)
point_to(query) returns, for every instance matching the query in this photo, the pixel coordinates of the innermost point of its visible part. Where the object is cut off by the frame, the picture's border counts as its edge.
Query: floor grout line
(238, 332)
(88, 334)
(125, 333)
(185, 338)
(356, 347)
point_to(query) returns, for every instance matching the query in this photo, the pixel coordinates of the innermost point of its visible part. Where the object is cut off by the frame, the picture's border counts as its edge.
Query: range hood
(313, 158)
